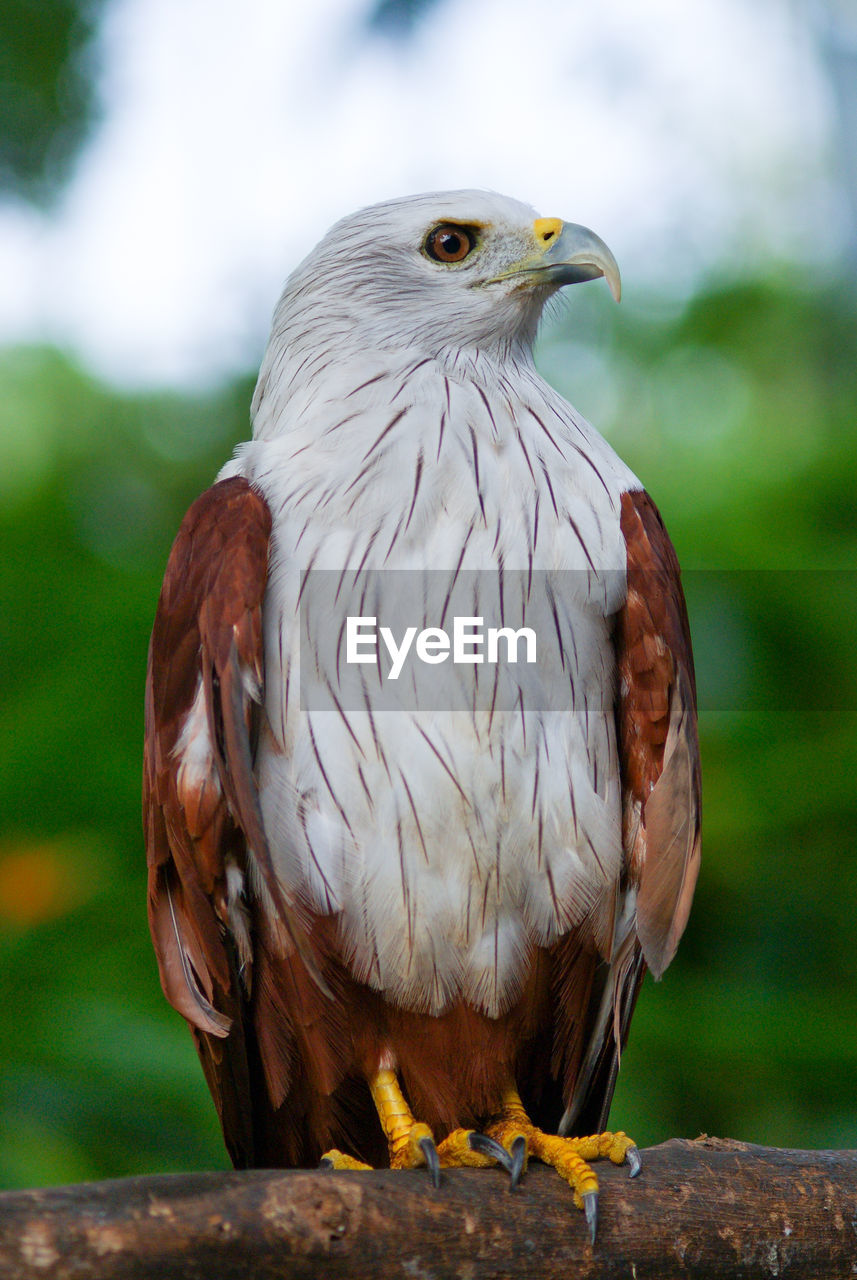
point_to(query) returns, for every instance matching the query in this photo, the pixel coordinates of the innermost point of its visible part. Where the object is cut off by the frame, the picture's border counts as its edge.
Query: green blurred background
(734, 404)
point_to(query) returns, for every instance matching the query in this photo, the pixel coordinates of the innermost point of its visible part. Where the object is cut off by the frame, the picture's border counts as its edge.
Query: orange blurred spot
(37, 883)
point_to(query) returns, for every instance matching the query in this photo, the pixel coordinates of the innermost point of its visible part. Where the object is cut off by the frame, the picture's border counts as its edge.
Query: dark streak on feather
(379, 750)
(573, 806)
(335, 427)
(408, 375)
(456, 572)
(586, 458)
(549, 485)
(398, 529)
(369, 545)
(440, 433)
(533, 414)
(520, 440)
(475, 853)
(305, 575)
(417, 478)
(327, 781)
(494, 690)
(416, 815)
(342, 629)
(302, 532)
(366, 790)
(328, 890)
(344, 718)
(455, 781)
(588, 840)
(556, 622)
(579, 537)
(373, 462)
(475, 449)
(485, 900)
(488, 410)
(378, 377)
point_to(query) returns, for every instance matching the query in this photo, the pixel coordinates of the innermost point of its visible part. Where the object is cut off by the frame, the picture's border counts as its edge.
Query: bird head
(458, 269)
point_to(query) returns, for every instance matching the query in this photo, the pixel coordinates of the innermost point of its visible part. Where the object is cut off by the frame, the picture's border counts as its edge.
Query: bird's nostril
(546, 230)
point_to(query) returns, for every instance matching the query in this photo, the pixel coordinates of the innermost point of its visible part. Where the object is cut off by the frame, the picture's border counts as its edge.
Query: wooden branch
(709, 1208)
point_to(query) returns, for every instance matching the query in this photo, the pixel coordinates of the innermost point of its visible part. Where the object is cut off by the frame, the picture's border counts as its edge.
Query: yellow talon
(407, 1152)
(339, 1160)
(455, 1152)
(604, 1146)
(569, 1156)
(509, 1128)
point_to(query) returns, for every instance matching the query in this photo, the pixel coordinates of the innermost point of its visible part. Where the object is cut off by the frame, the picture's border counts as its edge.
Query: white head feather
(370, 283)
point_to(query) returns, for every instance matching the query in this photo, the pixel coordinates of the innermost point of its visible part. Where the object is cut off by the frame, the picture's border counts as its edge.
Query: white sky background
(690, 135)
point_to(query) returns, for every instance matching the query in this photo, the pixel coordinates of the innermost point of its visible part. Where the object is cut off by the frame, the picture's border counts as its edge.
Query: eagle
(408, 928)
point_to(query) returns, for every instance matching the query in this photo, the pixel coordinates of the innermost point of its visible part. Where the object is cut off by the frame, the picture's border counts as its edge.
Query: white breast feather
(422, 832)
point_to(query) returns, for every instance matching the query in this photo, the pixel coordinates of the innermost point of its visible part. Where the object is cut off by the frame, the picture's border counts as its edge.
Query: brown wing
(658, 743)
(659, 762)
(200, 805)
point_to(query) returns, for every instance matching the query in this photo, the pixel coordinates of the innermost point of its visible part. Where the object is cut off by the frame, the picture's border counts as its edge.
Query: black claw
(490, 1147)
(512, 1161)
(635, 1164)
(429, 1150)
(590, 1208)
(519, 1156)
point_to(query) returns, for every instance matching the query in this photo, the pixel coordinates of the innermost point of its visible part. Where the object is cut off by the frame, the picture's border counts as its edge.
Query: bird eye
(450, 243)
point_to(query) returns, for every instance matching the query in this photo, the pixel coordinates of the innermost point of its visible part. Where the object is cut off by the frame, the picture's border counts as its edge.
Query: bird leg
(410, 1143)
(507, 1141)
(514, 1130)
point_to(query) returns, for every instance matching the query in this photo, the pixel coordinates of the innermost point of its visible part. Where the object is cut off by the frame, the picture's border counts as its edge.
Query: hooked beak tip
(578, 254)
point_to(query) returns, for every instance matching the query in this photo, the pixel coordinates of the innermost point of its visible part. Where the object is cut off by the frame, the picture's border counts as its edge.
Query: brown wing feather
(658, 742)
(200, 805)
(659, 763)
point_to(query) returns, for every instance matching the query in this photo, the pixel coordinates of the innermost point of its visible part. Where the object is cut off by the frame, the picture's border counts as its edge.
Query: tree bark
(712, 1208)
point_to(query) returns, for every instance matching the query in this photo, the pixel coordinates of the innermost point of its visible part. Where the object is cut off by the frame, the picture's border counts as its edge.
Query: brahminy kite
(404, 887)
